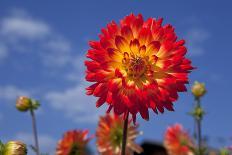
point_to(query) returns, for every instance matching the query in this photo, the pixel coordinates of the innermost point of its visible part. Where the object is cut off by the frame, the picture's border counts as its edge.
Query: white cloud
(20, 32)
(195, 41)
(23, 27)
(11, 93)
(59, 52)
(75, 104)
(47, 143)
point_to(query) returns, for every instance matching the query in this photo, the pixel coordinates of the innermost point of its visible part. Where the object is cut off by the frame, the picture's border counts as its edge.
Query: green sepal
(35, 104)
(197, 113)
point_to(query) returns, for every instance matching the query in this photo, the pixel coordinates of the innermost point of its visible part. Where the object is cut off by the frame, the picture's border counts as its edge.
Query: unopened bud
(15, 148)
(198, 89)
(23, 103)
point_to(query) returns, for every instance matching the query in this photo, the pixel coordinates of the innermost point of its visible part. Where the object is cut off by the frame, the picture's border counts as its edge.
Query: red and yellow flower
(137, 65)
(177, 141)
(109, 136)
(73, 142)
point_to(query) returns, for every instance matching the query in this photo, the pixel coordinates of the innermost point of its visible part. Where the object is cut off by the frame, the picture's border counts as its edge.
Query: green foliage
(201, 151)
(224, 151)
(1, 148)
(198, 113)
(35, 104)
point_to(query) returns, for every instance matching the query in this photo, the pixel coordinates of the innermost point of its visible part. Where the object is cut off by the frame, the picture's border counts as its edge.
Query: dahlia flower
(73, 143)
(137, 65)
(109, 136)
(177, 141)
(15, 148)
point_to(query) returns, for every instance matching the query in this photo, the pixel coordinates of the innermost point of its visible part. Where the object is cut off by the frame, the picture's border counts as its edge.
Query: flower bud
(198, 113)
(15, 148)
(23, 103)
(198, 89)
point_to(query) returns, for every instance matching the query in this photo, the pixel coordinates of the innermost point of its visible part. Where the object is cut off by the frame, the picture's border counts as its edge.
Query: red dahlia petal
(127, 33)
(90, 89)
(144, 113)
(95, 44)
(134, 45)
(121, 43)
(145, 36)
(101, 101)
(100, 90)
(153, 47)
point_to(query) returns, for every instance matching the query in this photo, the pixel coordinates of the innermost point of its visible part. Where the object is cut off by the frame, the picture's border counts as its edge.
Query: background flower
(73, 143)
(177, 141)
(137, 65)
(109, 136)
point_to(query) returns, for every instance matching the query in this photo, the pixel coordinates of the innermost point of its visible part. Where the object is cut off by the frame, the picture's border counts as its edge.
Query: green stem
(125, 134)
(199, 135)
(35, 131)
(198, 123)
(195, 129)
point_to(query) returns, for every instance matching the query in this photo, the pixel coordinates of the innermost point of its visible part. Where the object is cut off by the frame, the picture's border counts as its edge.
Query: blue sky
(42, 48)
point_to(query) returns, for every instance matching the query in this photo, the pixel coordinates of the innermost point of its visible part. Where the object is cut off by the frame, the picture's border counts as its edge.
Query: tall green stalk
(198, 118)
(198, 91)
(35, 132)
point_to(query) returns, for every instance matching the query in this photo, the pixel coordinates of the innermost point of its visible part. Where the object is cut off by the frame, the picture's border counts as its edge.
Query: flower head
(73, 143)
(177, 141)
(15, 148)
(109, 136)
(23, 103)
(137, 65)
(198, 89)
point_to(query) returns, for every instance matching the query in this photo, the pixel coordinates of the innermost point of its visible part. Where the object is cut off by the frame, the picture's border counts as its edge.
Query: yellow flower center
(134, 65)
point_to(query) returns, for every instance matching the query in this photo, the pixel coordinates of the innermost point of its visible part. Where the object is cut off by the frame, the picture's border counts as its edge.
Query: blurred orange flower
(137, 65)
(73, 142)
(109, 136)
(177, 141)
